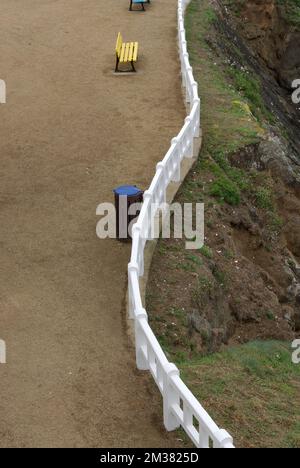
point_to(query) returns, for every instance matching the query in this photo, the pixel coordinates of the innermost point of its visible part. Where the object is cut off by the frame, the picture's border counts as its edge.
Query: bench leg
(117, 65)
(124, 71)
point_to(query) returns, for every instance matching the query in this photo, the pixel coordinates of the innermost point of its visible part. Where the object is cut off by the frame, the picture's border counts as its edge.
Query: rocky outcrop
(274, 38)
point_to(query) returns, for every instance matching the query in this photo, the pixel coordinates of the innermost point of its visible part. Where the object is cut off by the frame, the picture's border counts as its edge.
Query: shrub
(226, 191)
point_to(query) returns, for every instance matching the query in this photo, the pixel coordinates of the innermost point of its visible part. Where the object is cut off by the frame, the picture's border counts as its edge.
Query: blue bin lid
(127, 190)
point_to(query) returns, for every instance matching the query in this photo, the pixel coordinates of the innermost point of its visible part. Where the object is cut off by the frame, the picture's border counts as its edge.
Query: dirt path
(70, 132)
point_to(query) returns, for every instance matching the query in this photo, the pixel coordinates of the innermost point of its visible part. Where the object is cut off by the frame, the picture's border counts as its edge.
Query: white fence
(2, 352)
(2, 92)
(180, 406)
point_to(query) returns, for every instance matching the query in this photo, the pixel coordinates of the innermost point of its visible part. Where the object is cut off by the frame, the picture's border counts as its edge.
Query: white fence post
(171, 397)
(197, 102)
(132, 268)
(188, 88)
(204, 439)
(147, 199)
(177, 174)
(223, 439)
(2, 92)
(185, 56)
(141, 344)
(2, 352)
(195, 89)
(190, 151)
(161, 167)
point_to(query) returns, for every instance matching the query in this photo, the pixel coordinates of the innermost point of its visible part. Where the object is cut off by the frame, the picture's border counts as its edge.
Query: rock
(297, 321)
(247, 158)
(295, 267)
(289, 273)
(268, 280)
(288, 314)
(254, 214)
(293, 290)
(242, 311)
(199, 323)
(292, 232)
(241, 219)
(289, 67)
(273, 155)
(274, 40)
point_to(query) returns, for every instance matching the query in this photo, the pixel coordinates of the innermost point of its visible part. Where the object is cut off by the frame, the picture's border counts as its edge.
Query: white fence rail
(180, 406)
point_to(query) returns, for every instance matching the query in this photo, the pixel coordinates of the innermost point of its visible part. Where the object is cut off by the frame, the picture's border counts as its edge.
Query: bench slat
(119, 44)
(129, 52)
(126, 52)
(122, 54)
(131, 48)
(135, 53)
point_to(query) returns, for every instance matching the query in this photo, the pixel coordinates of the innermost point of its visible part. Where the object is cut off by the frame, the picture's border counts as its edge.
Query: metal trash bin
(125, 196)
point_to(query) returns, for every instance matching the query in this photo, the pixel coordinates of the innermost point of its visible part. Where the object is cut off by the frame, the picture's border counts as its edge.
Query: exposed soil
(261, 39)
(269, 30)
(243, 286)
(70, 132)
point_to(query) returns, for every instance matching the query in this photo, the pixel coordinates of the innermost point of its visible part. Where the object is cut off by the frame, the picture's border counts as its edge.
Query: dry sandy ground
(70, 132)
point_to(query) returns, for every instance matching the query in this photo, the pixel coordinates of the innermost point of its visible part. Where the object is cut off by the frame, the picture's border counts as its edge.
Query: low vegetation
(253, 390)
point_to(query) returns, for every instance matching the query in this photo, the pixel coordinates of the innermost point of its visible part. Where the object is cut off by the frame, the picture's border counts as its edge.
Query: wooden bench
(140, 2)
(126, 52)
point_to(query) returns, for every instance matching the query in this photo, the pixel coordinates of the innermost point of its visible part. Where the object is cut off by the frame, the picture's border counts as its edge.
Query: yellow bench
(126, 52)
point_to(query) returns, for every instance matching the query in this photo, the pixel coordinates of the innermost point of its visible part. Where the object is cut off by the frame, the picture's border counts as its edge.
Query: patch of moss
(226, 191)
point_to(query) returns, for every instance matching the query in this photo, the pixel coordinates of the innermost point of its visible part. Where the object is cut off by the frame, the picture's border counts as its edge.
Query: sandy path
(70, 132)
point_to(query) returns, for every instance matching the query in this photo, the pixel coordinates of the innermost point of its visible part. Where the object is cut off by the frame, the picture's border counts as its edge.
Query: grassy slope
(251, 390)
(232, 109)
(293, 11)
(227, 119)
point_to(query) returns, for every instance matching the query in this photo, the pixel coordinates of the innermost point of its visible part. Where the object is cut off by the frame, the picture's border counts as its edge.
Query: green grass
(264, 198)
(226, 191)
(252, 390)
(233, 115)
(194, 259)
(206, 252)
(227, 120)
(292, 11)
(251, 89)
